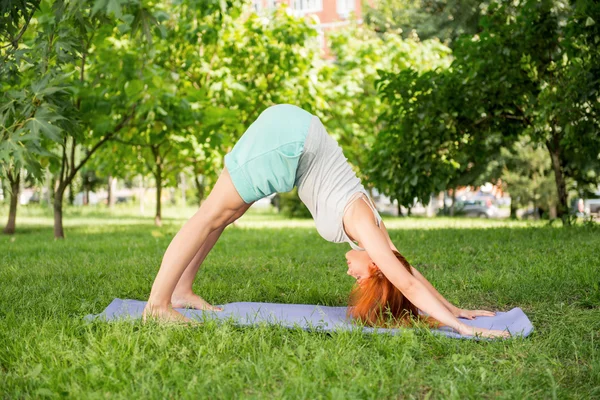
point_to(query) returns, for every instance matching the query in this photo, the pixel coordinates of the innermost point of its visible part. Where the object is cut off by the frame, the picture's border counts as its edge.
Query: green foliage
(429, 142)
(268, 61)
(353, 106)
(444, 19)
(15, 16)
(172, 84)
(291, 206)
(528, 176)
(188, 119)
(517, 77)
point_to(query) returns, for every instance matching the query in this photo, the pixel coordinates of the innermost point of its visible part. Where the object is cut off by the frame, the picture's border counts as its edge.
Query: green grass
(46, 288)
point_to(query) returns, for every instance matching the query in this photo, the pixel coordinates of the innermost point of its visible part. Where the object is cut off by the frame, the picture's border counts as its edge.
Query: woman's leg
(222, 204)
(183, 296)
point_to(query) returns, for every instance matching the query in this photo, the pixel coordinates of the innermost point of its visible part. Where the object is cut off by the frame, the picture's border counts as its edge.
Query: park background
(115, 116)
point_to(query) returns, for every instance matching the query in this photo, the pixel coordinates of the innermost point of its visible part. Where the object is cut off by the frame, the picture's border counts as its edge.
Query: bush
(291, 205)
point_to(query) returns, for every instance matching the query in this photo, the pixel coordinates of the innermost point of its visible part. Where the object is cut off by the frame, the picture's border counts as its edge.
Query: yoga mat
(310, 317)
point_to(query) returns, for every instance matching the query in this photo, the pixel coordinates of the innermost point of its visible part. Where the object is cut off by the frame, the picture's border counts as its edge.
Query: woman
(284, 147)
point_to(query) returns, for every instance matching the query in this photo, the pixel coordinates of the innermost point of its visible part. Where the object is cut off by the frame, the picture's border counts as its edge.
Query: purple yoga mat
(310, 317)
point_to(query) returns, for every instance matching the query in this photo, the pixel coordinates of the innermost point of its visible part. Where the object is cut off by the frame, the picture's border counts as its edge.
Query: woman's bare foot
(192, 300)
(163, 314)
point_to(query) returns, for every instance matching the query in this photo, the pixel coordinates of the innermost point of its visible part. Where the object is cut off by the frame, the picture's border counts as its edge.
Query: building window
(345, 7)
(307, 6)
(261, 5)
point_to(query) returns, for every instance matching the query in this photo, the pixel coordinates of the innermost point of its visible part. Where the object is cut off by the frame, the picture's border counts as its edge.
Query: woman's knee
(239, 214)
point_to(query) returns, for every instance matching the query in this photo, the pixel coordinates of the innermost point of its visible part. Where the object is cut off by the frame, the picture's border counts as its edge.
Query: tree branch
(508, 116)
(168, 150)
(73, 145)
(480, 120)
(129, 142)
(149, 166)
(106, 138)
(64, 160)
(15, 42)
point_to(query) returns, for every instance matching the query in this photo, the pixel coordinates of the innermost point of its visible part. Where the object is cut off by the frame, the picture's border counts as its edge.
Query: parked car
(482, 207)
(587, 207)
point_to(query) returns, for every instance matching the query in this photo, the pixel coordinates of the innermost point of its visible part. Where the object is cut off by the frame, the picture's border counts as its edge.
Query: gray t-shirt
(327, 184)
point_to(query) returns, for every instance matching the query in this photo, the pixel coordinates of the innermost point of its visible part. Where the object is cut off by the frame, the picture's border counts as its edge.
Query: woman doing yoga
(286, 147)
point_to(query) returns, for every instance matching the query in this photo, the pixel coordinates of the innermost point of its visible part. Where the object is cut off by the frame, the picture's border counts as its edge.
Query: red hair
(377, 302)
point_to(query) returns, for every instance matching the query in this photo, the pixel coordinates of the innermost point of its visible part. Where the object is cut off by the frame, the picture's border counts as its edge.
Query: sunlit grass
(48, 286)
(255, 218)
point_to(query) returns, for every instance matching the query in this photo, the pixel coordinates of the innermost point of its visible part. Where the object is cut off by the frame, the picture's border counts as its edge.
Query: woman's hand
(482, 332)
(471, 314)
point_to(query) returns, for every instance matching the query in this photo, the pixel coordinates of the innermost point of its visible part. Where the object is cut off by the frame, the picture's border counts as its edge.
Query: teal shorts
(265, 159)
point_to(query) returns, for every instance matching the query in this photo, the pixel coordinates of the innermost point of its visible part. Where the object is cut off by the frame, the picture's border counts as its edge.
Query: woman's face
(358, 264)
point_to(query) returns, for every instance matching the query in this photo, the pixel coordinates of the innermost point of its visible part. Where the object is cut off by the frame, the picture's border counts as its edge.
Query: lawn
(48, 350)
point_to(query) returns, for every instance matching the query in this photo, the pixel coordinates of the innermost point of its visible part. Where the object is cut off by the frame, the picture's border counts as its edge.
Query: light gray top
(327, 185)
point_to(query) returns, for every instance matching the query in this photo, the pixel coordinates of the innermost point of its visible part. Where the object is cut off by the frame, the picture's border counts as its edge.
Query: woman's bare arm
(420, 277)
(376, 244)
(452, 308)
(456, 311)
(359, 222)
(387, 236)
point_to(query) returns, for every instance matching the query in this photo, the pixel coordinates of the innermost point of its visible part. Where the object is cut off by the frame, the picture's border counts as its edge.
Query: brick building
(330, 14)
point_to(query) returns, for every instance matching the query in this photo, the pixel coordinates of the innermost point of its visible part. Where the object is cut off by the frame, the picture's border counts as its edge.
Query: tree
(70, 105)
(430, 142)
(267, 61)
(201, 105)
(33, 95)
(15, 16)
(520, 76)
(528, 176)
(352, 105)
(444, 19)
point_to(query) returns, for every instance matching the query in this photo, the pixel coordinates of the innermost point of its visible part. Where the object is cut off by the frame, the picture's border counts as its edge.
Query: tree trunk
(158, 216)
(59, 232)
(431, 210)
(71, 194)
(9, 229)
(142, 192)
(199, 189)
(562, 208)
(445, 207)
(87, 195)
(158, 177)
(400, 210)
(110, 200)
(49, 183)
(453, 204)
(183, 189)
(513, 209)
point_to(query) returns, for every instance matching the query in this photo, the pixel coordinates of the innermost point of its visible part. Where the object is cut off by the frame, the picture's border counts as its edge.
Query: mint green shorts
(265, 159)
